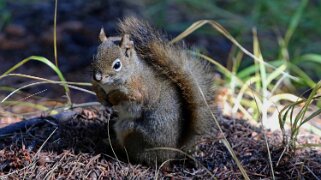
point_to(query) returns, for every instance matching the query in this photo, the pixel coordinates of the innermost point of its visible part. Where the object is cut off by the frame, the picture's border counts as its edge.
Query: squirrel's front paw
(128, 110)
(116, 97)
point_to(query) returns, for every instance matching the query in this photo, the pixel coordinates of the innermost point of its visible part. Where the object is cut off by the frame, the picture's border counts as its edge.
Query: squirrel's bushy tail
(141, 33)
(172, 61)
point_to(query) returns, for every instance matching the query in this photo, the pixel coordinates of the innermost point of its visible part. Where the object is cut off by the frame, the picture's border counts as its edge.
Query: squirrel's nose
(98, 76)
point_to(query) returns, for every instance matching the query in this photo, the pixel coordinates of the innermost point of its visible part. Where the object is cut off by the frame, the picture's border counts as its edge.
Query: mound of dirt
(76, 147)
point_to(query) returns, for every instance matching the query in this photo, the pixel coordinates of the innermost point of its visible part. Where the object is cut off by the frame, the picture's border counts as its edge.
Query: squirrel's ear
(126, 42)
(102, 35)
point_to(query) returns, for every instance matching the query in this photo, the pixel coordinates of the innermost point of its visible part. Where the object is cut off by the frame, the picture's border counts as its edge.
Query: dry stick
(92, 160)
(55, 110)
(31, 95)
(73, 169)
(7, 130)
(182, 152)
(277, 163)
(37, 83)
(127, 156)
(44, 79)
(301, 168)
(225, 141)
(137, 167)
(109, 140)
(316, 177)
(72, 106)
(284, 150)
(267, 147)
(43, 144)
(54, 168)
(158, 169)
(19, 126)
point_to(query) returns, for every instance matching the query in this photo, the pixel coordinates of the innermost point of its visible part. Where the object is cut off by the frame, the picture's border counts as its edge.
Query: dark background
(26, 28)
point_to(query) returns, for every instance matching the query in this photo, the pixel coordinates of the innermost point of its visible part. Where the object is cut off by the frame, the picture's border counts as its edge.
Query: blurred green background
(76, 46)
(270, 17)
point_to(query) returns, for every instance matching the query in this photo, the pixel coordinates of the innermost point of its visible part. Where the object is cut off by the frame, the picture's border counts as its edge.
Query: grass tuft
(307, 110)
(49, 64)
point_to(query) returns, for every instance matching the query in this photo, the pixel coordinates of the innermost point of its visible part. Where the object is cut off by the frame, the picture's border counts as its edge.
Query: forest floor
(75, 147)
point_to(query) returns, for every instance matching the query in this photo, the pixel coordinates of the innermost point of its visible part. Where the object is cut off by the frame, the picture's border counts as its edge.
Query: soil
(76, 148)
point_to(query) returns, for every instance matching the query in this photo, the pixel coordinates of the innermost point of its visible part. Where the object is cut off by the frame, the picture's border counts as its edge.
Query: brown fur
(157, 92)
(137, 90)
(116, 97)
(169, 61)
(100, 93)
(165, 63)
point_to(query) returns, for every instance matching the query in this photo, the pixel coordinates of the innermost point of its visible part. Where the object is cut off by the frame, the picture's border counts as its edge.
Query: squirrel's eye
(117, 65)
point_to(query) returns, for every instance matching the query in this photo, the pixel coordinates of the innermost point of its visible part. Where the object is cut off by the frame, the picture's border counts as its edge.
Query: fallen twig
(38, 121)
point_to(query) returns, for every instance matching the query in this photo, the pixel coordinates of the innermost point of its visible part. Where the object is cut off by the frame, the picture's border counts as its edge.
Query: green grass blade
(282, 119)
(263, 83)
(48, 63)
(303, 111)
(237, 62)
(221, 68)
(316, 58)
(295, 22)
(238, 163)
(302, 75)
(247, 72)
(275, 74)
(196, 25)
(314, 114)
(241, 93)
(55, 33)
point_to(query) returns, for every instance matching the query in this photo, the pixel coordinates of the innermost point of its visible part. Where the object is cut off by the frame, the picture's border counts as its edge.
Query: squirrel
(157, 90)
